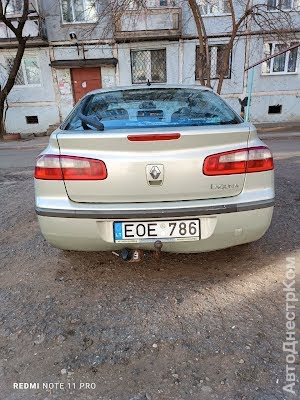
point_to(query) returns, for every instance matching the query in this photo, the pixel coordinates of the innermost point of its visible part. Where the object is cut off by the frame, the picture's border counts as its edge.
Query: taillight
(72, 168)
(254, 159)
(260, 159)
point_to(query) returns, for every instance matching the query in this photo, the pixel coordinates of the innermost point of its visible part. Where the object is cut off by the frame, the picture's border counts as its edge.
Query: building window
(32, 119)
(79, 11)
(148, 65)
(13, 7)
(216, 54)
(136, 4)
(133, 5)
(29, 72)
(284, 63)
(273, 5)
(161, 3)
(275, 109)
(214, 7)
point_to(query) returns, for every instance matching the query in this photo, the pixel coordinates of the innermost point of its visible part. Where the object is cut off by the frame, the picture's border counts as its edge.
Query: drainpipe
(247, 54)
(250, 84)
(55, 82)
(117, 70)
(247, 60)
(181, 61)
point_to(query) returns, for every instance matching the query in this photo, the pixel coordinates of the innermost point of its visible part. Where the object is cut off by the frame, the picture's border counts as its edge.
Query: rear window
(146, 108)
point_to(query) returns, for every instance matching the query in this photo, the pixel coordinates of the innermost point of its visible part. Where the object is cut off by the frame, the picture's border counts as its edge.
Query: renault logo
(155, 174)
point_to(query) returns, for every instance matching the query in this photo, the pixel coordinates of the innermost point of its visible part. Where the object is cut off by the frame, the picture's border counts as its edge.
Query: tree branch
(197, 18)
(23, 19)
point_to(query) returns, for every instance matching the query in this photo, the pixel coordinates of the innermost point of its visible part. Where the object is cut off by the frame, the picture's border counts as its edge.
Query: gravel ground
(201, 326)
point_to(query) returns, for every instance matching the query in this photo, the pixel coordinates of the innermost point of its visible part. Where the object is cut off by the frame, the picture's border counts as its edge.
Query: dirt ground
(201, 326)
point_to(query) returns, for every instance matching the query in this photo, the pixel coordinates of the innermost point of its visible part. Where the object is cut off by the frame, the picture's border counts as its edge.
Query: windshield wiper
(91, 120)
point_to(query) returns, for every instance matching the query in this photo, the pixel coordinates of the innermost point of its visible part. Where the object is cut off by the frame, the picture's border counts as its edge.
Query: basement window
(275, 109)
(32, 119)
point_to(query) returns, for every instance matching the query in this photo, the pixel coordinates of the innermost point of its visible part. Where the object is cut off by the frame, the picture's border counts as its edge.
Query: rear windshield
(146, 108)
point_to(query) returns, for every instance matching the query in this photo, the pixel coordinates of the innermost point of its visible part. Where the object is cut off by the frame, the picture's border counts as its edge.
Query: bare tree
(18, 31)
(237, 23)
(204, 58)
(243, 13)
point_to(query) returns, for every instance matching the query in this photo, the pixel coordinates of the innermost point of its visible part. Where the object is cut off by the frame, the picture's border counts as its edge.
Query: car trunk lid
(152, 170)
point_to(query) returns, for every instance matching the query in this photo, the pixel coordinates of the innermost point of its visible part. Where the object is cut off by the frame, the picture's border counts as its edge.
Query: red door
(84, 80)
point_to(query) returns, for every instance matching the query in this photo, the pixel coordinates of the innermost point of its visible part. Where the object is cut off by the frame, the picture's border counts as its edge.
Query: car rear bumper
(155, 213)
(221, 226)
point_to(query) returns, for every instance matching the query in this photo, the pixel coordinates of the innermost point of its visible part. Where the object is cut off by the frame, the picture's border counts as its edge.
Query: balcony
(149, 24)
(34, 27)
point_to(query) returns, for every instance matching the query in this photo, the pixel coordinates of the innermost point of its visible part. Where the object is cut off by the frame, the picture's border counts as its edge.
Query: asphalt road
(201, 326)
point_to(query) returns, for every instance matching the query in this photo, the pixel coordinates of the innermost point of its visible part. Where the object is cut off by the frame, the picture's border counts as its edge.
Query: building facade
(31, 104)
(80, 46)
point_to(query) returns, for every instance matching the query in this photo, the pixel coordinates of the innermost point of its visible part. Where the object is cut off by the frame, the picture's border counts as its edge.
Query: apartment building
(79, 46)
(32, 102)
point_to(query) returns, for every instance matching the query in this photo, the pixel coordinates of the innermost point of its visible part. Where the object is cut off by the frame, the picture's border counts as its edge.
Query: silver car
(168, 164)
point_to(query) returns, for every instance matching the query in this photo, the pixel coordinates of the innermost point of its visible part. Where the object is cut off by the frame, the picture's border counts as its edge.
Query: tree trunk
(2, 122)
(196, 13)
(225, 64)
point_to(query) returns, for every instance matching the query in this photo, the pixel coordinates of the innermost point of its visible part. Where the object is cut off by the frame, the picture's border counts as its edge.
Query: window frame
(23, 69)
(215, 77)
(33, 8)
(13, 4)
(150, 50)
(170, 4)
(73, 14)
(279, 8)
(133, 5)
(203, 4)
(286, 61)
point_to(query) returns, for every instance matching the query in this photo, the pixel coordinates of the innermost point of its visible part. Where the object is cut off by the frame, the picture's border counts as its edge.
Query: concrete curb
(282, 126)
(285, 135)
(30, 144)
(23, 148)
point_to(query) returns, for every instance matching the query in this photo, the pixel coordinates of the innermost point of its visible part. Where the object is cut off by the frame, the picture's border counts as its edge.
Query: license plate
(177, 230)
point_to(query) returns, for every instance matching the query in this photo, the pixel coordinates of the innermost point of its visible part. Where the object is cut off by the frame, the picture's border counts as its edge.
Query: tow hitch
(158, 246)
(132, 255)
(138, 255)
